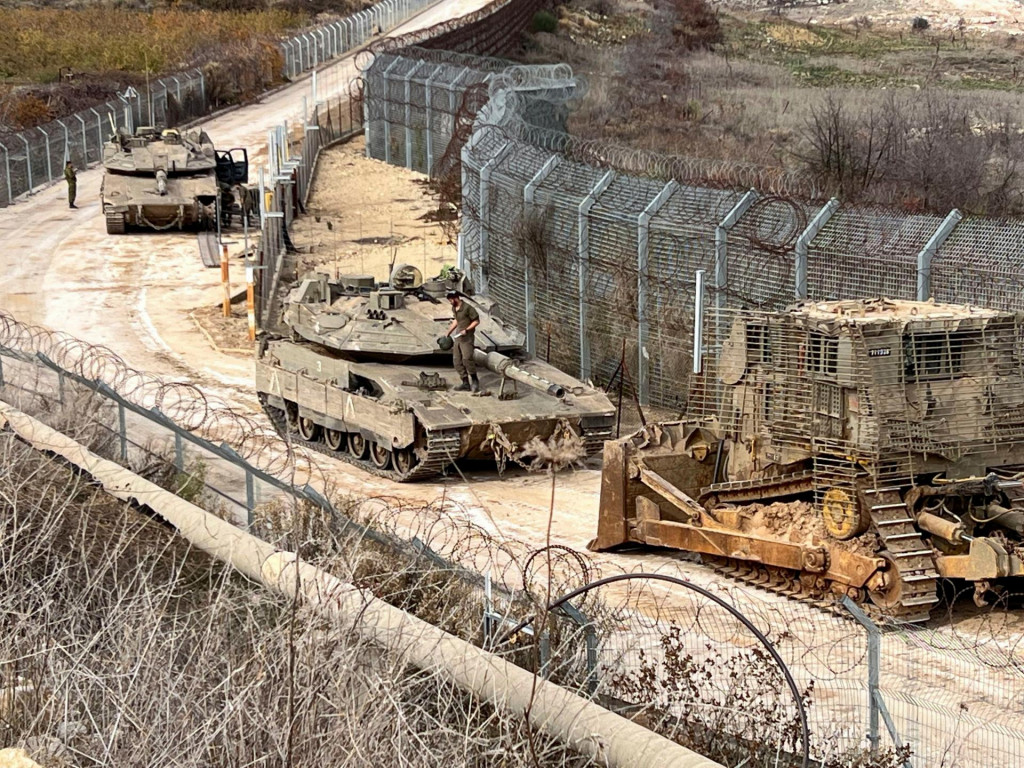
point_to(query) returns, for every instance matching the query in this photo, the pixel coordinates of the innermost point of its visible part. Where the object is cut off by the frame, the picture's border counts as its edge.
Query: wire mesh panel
(868, 253)
(761, 253)
(981, 262)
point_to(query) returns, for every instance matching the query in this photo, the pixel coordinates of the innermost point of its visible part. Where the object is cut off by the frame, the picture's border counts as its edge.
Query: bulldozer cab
(233, 166)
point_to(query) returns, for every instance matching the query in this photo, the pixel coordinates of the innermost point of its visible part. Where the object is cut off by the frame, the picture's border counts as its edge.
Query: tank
(859, 448)
(359, 374)
(163, 180)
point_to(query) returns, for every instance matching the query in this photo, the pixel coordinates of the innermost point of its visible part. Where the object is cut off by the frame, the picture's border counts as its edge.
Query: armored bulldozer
(866, 448)
(164, 180)
(359, 374)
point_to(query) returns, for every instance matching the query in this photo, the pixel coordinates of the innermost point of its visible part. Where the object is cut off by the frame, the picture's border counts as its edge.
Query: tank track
(442, 450)
(594, 440)
(809, 590)
(115, 223)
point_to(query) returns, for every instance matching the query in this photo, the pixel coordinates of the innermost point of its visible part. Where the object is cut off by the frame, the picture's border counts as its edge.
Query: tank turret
(363, 374)
(163, 179)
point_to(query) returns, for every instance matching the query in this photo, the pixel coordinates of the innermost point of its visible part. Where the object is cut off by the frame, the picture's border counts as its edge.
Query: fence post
(429, 122)
(122, 427)
(28, 160)
(924, 258)
(643, 249)
(722, 255)
(49, 166)
(803, 244)
(529, 192)
(485, 213)
(250, 498)
(583, 257)
(99, 132)
(7, 171)
(85, 146)
(408, 114)
(876, 704)
(387, 122)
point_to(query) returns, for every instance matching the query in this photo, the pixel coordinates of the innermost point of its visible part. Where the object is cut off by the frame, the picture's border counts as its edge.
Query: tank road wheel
(885, 588)
(308, 429)
(380, 456)
(841, 513)
(357, 445)
(334, 439)
(405, 460)
(291, 412)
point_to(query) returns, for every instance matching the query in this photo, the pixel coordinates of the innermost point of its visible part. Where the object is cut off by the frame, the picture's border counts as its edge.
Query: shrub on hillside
(543, 21)
(697, 27)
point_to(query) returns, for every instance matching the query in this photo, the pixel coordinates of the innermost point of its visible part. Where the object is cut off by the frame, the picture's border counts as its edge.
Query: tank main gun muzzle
(161, 182)
(499, 363)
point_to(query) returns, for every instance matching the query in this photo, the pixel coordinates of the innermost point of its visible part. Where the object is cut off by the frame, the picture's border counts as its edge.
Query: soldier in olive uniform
(462, 333)
(72, 179)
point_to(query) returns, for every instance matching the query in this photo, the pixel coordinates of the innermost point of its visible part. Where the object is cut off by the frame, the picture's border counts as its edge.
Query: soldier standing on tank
(72, 179)
(462, 332)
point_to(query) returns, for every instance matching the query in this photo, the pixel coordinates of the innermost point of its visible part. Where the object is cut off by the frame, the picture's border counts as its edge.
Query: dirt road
(135, 294)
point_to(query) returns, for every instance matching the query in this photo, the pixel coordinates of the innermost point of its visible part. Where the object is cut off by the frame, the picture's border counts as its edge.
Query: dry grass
(109, 39)
(122, 646)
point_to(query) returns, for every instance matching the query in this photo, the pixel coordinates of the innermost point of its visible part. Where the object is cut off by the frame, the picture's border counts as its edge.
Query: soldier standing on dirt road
(462, 333)
(72, 179)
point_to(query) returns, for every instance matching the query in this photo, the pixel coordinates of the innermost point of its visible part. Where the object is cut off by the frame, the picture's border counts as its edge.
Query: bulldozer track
(911, 555)
(442, 449)
(781, 581)
(759, 490)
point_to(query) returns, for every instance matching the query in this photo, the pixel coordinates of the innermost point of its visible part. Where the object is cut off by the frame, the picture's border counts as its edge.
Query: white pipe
(579, 723)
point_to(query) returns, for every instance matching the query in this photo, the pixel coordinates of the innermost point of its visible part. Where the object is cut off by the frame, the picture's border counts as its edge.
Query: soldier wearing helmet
(462, 332)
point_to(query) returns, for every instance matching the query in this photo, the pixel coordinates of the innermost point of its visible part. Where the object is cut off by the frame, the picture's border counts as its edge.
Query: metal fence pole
(529, 192)
(250, 498)
(924, 258)
(876, 704)
(85, 145)
(7, 172)
(49, 166)
(722, 256)
(408, 114)
(122, 428)
(28, 160)
(643, 229)
(582, 261)
(179, 453)
(803, 244)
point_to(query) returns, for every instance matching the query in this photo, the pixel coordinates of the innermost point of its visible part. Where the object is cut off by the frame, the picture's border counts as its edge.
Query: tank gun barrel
(499, 363)
(161, 182)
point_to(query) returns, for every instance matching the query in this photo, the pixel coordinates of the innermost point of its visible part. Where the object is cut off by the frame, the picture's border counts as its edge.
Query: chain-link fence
(34, 158)
(592, 249)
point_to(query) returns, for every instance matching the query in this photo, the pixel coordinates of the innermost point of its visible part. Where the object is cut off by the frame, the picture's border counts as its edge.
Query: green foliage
(544, 21)
(190, 485)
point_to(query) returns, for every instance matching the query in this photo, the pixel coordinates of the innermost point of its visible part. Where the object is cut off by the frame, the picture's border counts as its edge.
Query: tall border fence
(34, 158)
(592, 249)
